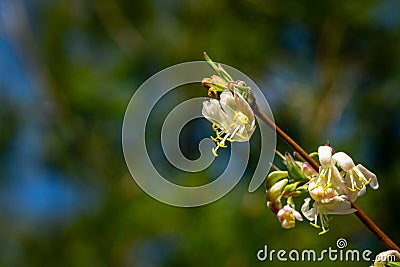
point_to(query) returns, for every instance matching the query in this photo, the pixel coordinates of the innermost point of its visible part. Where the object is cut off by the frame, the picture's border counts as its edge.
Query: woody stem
(359, 213)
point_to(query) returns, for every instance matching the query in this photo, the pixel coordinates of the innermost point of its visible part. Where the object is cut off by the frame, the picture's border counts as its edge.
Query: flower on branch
(232, 118)
(356, 177)
(287, 216)
(328, 191)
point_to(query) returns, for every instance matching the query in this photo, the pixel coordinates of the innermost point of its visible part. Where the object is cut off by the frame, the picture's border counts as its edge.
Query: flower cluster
(331, 190)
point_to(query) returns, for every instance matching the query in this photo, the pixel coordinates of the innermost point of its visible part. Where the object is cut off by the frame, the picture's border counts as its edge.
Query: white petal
(369, 175)
(212, 110)
(228, 104)
(307, 212)
(325, 156)
(243, 106)
(339, 206)
(337, 179)
(281, 212)
(344, 161)
(297, 215)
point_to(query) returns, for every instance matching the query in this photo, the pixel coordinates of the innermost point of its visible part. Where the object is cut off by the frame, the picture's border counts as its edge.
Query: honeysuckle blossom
(356, 177)
(287, 216)
(329, 183)
(328, 191)
(232, 118)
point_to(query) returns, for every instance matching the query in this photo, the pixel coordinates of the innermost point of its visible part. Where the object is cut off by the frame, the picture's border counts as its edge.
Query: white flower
(329, 182)
(328, 191)
(232, 118)
(287, 217)
(320, 210)
(356, 177)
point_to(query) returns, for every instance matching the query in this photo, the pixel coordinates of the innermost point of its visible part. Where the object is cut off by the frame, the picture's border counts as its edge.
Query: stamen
(243, 120)
(240, 135)
(214, 139)
(219, 135)
(315, 225)
(323, 232)
(221, 145)
(235, 116)
(230, 140)
(329, 176)
(214, 126)
(327, 186)
(214, 152)
(365, 181)
(358, 188)
(352, 182)
(231, 125)
(361, 177)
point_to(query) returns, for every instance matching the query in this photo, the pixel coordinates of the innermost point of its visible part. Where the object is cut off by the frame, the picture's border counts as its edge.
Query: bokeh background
(330, 70)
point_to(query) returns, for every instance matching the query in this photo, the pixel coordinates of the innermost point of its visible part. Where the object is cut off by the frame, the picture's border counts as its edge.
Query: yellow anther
(214, 126)
(235, 116)
(327, 186)
(231, 125)
(214, 139)
(364, 182)
(323, 232)
(230, 140)
(214, 152)
(218, 136)
(352, 189)
(244, 120)
(358, 188)
(240, 135)
(221, 145)
(315, 225)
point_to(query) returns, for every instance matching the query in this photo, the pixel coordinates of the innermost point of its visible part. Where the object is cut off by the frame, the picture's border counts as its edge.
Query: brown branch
(360, 213)
(374, 228)
(257, 110)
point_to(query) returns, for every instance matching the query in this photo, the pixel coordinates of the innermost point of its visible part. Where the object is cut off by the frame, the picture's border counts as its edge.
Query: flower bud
(275, 191)
(274, 206)
(274, 177)
(308, 171)
(287, 217)
(294, 169)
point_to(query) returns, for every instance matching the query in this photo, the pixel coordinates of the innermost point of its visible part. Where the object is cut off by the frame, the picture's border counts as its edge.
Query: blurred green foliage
(329, 69)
